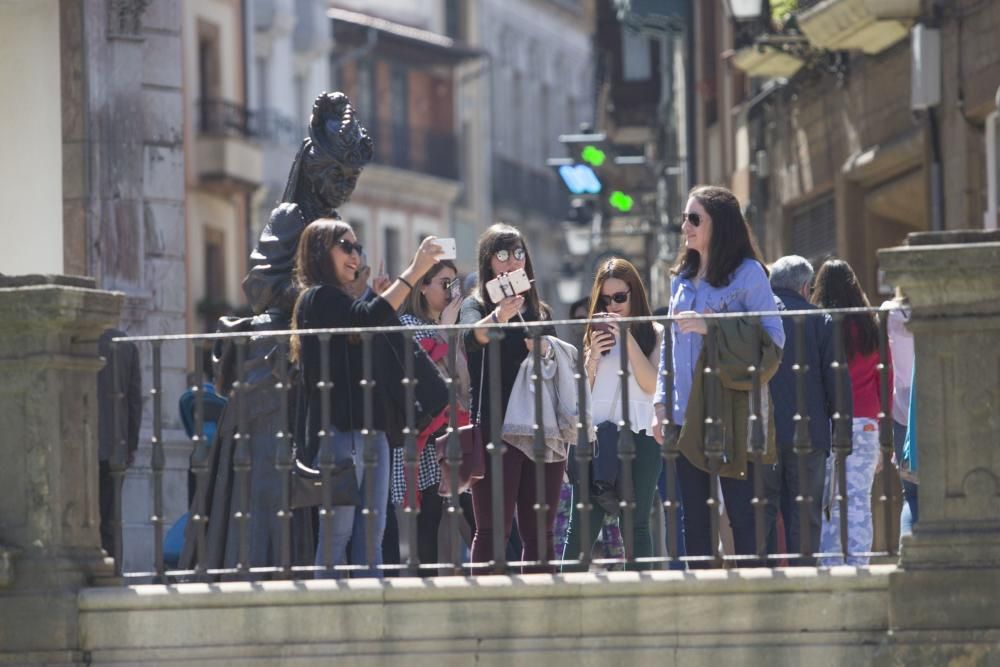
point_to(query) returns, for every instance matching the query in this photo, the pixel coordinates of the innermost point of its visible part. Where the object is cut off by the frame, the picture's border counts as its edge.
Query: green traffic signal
(621, 201)
(593, 155)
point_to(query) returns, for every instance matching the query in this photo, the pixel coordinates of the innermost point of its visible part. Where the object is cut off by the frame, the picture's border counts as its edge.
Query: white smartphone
(449, 247)
(508, 284)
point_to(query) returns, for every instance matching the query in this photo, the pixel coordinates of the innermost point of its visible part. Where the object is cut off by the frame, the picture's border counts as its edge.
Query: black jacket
(819, 379)
(328, 307)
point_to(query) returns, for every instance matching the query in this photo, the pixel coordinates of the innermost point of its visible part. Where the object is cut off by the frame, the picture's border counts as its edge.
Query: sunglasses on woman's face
(503, 254)
(349, 247)
(693, 218)
(617, 297)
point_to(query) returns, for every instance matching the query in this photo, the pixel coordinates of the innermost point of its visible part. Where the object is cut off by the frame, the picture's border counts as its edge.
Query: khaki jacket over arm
(737, 352)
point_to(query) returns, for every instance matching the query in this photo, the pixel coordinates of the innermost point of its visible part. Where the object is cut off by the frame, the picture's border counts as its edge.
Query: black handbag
(472, 467)
(308, 482)
(307, 486)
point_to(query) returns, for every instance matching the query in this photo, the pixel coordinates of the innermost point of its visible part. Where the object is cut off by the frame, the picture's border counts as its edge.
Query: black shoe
(606, 496)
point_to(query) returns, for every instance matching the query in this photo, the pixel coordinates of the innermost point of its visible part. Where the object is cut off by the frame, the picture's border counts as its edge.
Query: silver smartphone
(508, 284)
(449, 248)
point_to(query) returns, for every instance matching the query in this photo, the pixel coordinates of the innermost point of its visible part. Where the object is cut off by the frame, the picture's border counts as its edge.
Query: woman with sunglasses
(618, 292)
(327, 261)
(502, 250)
(433, 302)
(721, 271)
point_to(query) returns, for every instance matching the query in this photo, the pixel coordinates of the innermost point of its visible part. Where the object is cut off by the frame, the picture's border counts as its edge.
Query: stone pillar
(945, 600)
(49, 537)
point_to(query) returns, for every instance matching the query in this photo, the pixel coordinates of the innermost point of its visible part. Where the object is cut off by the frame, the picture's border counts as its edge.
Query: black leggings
(431, 512)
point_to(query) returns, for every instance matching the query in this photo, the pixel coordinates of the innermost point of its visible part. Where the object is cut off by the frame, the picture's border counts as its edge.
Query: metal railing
(251, 385)
(219, 117)
(430, 152)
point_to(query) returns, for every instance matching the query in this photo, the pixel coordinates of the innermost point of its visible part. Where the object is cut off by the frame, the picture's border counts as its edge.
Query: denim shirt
(748, 290)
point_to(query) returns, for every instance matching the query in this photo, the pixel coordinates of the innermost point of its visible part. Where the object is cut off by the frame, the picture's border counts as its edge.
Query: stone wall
(860, 142)
(124, 202)
(750, 617)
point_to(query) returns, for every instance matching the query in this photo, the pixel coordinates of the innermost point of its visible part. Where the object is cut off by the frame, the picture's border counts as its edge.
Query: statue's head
(339, 148)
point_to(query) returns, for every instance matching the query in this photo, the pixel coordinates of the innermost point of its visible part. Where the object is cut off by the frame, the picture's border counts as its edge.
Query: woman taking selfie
(433, 302)
(721, 271)
(502, 250)
(618, 292)
(328, 260)
(836, 286)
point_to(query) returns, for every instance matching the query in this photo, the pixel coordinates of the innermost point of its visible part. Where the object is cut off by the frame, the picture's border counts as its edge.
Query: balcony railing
(248, 446)
(429, 152)
(224, 118)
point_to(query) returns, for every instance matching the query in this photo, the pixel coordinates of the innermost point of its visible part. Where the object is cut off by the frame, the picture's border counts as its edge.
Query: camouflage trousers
(860, 465)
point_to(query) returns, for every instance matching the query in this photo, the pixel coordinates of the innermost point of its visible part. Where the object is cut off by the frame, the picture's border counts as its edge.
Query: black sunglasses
(617, 297)
(693, 218)
(349, 247)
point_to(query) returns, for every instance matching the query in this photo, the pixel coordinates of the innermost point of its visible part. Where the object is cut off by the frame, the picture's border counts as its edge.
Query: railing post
(714, 446)
(495, 449)
(802, 443)
(953, 557)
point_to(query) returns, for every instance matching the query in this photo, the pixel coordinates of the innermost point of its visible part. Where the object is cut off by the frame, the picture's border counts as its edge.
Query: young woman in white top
(618, 292)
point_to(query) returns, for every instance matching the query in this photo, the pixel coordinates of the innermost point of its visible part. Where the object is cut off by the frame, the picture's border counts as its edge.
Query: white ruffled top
(606, 396)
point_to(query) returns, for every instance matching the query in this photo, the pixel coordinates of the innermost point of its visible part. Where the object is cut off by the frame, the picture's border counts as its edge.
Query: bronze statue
(232, 476)
(321, 179)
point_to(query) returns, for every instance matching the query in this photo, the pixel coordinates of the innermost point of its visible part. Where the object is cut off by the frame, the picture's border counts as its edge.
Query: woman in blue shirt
(721, 271)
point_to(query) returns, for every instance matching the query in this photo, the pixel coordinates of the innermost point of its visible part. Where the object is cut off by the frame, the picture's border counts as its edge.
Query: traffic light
(621, 202)
(592, 155)
(580, 179)
(586, 154)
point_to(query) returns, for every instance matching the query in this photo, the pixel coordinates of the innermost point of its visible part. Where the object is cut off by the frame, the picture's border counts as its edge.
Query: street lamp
(579, 240)
(744, 10)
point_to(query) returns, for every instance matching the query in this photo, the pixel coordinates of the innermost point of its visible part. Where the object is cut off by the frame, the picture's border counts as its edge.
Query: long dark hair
(313, 265)
(732, 240)
(497, 237)
(837, 286)
(416, 303)
(622, 269)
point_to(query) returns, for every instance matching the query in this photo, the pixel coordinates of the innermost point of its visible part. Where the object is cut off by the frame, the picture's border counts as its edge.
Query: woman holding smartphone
(502, 250)
(433, 302)
(618, 292)
(327, 261)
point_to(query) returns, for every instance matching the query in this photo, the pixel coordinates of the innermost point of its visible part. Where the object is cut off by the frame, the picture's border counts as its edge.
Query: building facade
(540, 85)
(844, 127)
(401, 72)
(224, 166)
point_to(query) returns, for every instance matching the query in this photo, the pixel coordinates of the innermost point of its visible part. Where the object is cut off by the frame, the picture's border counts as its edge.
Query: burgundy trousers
(519, 478)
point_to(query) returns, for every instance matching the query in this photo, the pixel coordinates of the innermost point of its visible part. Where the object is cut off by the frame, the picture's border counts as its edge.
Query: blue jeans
(678, 525)
(910, 508)
(348, 524)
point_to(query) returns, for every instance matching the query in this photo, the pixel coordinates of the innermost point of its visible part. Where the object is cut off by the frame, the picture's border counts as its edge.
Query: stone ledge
(47, 279)
(493, 587)
(748, 617)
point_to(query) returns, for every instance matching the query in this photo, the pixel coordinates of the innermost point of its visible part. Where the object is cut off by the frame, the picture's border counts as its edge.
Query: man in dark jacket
(116, 423)
(791, 476)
